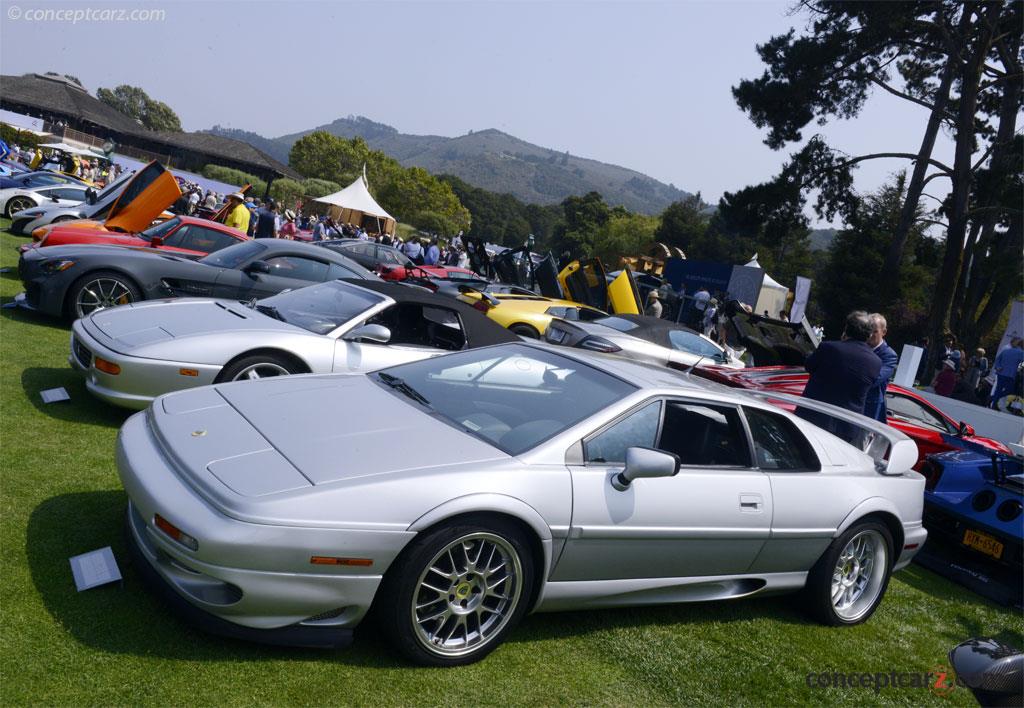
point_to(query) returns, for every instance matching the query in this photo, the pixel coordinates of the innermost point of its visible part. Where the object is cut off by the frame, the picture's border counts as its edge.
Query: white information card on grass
(94, 568)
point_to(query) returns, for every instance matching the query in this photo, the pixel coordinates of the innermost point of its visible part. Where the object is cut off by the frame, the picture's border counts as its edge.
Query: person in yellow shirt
(37, 159)
(238, 215)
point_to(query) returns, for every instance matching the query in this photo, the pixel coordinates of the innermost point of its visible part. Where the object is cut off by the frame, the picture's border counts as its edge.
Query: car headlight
(56, 266)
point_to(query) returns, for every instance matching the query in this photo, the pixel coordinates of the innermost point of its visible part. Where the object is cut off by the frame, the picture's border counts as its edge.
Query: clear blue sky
(641, 84)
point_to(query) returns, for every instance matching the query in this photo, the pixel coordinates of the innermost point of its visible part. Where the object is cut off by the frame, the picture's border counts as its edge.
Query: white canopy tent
(773, 294)
(355, 205)
(70, 149)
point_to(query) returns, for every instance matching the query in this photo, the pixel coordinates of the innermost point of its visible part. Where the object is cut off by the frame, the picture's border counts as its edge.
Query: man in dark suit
(874, 405)
(841, 373)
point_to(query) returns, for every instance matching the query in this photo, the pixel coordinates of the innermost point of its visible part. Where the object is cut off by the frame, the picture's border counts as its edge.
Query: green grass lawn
(115, 645)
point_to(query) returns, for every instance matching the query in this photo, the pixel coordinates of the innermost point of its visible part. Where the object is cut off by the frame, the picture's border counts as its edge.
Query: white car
(25, 222)
(18, 199)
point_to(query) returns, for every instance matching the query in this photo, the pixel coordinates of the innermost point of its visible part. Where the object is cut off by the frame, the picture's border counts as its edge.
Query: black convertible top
(652, 329)
(480, 330)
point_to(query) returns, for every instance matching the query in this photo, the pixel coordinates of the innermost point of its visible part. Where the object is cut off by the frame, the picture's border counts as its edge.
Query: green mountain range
(492, 160)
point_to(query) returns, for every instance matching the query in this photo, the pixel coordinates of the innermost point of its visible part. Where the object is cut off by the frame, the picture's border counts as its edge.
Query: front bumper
(140, 381)
(255, 577)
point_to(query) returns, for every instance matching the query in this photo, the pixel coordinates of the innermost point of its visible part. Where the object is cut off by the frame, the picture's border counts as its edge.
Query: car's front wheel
(18, 204)
(454, 595)
(258, 366)
(848, 582)
(98, 291)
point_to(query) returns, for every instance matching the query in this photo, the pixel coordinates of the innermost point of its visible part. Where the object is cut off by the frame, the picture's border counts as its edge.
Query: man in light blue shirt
(433, 254)
(1006, 365)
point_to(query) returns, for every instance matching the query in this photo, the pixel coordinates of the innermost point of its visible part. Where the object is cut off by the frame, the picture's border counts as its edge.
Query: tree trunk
(986, 254)
(891, 267)
(938, 317)
(972, 253)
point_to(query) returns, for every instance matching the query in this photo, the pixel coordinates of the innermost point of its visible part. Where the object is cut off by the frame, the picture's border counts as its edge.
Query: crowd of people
(98, 170)
(974, 379)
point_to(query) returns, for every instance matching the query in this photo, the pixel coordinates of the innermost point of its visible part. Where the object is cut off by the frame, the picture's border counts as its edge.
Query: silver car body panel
(265, 474)
(40, 196)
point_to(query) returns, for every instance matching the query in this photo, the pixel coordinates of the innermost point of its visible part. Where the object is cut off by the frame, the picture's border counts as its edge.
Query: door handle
(751, 503)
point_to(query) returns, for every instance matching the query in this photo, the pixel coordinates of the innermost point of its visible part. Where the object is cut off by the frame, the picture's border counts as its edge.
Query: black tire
(818, 593)
(265, 364)
(16, 204)
(107, 288)
(402, 590)
(524, 330)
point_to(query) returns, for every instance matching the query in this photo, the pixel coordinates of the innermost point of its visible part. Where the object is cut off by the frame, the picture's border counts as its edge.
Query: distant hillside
(494, 161)
(821, 239)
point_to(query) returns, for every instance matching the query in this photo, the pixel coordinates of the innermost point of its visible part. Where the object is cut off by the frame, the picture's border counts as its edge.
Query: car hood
(262, 439)
(130, 329)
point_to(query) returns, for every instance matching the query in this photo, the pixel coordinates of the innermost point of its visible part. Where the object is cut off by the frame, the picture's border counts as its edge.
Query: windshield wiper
(400, 385)
(271, 311)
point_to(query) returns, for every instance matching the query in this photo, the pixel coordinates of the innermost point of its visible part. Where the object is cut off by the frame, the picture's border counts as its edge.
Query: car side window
(638, 429)
(907, 409)
(704, 435)
(335, 271)
(778, 443)
(298, 267)
(207, 240)
(693, 343)
(70, 193)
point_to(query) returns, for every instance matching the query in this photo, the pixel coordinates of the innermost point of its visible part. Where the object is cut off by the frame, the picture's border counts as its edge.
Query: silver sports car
(133, 353)
(643, 338)
(457, 493)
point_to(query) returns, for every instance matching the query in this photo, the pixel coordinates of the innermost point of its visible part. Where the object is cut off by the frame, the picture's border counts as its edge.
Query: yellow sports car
(529, 315)
(586, 282)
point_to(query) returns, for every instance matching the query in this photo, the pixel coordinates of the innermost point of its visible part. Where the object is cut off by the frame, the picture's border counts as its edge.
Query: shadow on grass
(9, 273)
(125, 618)
(82, 408)
(30, 317)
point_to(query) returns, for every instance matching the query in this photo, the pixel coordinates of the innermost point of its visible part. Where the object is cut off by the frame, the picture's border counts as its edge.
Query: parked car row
(458, 452)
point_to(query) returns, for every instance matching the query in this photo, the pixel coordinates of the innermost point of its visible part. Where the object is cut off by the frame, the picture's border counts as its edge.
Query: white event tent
(773, 294)
(355, 205)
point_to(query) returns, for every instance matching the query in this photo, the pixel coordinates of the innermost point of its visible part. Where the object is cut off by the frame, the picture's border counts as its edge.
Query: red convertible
(185, 235)
(911, 414)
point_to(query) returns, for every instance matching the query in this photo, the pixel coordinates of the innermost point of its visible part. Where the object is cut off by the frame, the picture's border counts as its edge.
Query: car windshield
(512, 396)
(159, 230)
(617, 323)
(234, 256)
(694, 344)
(319, 309)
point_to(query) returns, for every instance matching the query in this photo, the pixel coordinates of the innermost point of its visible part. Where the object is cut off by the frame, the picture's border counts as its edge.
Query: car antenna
(690, 370)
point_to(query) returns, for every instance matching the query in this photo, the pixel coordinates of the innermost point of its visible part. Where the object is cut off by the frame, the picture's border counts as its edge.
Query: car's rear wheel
(18, 204)
(848, 582)
(100, 290)
(454, 595)
(258, 366)
(524, 330)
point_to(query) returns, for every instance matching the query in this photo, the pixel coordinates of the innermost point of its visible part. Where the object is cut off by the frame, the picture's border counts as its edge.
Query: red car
(911, 414)
(392, 264)
(185, 235)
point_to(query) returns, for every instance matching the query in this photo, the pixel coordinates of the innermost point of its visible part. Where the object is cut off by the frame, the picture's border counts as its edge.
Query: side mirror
(645, 462)
(992, 670)
(53, 198)
(369, 333)
(257, 267)
(156, 242)
(964, 430)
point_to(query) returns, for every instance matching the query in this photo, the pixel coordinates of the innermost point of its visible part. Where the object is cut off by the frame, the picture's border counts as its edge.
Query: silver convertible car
(455, 494)
(133, 353)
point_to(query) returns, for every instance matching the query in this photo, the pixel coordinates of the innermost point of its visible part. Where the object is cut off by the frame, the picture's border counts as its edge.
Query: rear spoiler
(893, 452)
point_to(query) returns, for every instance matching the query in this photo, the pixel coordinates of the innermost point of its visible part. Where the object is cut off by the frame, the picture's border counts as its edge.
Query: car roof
(480, 330)
(643, 374)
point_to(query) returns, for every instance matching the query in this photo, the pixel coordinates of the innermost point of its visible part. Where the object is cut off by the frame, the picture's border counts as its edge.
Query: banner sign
(801, 294)
(739, 282)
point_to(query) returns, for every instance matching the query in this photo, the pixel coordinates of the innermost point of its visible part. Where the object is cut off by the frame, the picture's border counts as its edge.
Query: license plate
(984, 543)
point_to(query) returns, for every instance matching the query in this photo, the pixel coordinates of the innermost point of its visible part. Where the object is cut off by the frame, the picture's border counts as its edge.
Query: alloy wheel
(262, 370)
(18, 204)
(859, 575)
(467, 594)
(100, 294)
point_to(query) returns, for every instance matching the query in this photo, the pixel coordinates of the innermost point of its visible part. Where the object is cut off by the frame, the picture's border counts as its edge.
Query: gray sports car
(454, 494)
(133, 353)
(73, 281)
